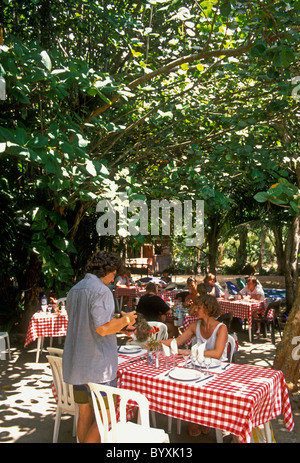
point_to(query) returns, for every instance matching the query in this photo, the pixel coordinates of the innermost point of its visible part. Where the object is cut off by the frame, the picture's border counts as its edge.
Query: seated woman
(207, 329)
(190, 299)
(212, 288)
(256, 292)
(166, 276)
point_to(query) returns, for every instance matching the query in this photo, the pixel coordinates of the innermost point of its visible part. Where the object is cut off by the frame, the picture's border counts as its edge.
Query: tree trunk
(279, 250)
(212, 241)
(261, 249)
(241, 258)
(291, 262)
(287, 352)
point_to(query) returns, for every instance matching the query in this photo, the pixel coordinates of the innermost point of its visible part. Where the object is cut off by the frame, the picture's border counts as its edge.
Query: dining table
(45, 324)
(231, 397)
(242, 308)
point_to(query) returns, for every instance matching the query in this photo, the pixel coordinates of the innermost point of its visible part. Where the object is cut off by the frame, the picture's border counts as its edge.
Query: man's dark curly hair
(103, 263)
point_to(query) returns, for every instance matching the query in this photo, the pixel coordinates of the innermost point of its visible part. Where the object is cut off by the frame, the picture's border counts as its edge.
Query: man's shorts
(82, 393)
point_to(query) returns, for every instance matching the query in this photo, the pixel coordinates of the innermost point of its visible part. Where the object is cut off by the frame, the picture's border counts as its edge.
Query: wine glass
(193, 359)
(186, 357)
(207, 362)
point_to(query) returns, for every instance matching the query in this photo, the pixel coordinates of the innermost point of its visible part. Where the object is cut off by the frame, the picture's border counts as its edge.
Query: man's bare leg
(85, 419)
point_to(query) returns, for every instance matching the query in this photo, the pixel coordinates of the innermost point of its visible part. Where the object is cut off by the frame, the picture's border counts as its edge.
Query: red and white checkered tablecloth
(45, 324)
(241, 308)
(236, 400)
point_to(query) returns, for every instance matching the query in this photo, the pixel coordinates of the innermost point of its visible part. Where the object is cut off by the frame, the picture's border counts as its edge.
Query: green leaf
(261, 197)
(60, 242)
(46, 60)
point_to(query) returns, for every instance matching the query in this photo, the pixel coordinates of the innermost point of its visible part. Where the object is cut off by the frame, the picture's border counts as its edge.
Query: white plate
(130, 349)
(184, 374)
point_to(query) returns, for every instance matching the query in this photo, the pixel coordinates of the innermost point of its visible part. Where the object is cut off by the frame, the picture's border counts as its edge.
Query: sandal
(194, 430)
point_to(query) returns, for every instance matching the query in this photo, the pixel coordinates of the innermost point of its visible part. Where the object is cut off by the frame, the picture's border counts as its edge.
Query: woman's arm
(221, 341)
(184, 337)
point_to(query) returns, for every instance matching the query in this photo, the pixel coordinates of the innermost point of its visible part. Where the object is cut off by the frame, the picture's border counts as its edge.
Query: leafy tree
(191, 98)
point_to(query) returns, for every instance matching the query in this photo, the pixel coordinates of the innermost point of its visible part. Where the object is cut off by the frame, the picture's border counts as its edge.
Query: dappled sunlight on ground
(25, 398)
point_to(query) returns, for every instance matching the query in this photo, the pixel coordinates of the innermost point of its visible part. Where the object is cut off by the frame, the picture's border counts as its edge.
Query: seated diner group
(202, 300)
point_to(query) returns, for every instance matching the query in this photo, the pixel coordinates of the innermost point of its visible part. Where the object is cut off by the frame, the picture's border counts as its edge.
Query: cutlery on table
(137, 360)
(203, 379)
(226, 366)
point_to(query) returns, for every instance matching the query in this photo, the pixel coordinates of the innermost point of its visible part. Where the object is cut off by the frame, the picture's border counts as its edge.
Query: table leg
(40, 342)
(119, 301)
(2, 349)
(250, 333)
(268, 433)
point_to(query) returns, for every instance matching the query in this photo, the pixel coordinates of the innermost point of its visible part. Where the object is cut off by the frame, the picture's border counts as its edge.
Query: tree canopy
(158, 98)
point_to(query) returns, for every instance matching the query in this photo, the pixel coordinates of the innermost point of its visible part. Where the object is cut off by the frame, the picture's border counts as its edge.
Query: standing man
(90, 351)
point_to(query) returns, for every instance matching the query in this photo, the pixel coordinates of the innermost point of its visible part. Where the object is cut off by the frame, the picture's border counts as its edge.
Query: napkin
(166, 350)
(173, 347)
(201, 350)
(194, 351)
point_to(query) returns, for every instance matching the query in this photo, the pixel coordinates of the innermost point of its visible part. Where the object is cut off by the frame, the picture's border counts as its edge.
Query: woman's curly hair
(103, 263)
(210, 305)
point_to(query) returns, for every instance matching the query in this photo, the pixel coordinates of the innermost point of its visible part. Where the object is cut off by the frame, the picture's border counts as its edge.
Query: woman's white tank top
(211, 341)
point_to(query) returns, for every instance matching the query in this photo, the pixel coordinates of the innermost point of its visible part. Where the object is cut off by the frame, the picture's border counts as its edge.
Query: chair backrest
(231, 342)
(117, 399)
(233, 289)
(162, 334)
(64, 391)
(241, 283)
(273, 306)
(55, 351)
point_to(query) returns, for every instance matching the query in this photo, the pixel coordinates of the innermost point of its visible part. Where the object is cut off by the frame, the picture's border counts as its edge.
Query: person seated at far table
(154, 308)
(123, 279)
(212, 288)
(201, 289)
(190, 299)
(255, 292)
(206, 329)
(166, 276)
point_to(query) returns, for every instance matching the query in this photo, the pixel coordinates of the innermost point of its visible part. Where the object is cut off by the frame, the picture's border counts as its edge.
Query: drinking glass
(186, 358)
(207, 361)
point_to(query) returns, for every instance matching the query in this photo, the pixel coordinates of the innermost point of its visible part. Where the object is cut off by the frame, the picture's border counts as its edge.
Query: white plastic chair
(4, 337)
(55, 351)
(162, 334)
(65, 398)
(123, 431)
(231, 342)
